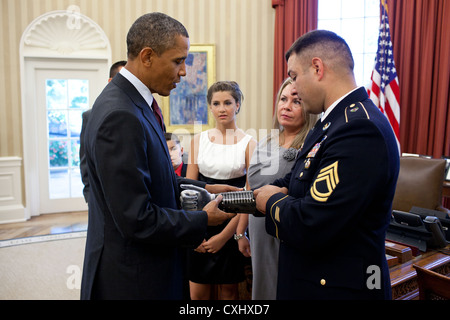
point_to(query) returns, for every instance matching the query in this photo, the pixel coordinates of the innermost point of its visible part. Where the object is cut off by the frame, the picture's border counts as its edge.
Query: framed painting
(186, 108)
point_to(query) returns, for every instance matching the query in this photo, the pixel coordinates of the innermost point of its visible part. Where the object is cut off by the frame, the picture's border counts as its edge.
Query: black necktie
(158, 114)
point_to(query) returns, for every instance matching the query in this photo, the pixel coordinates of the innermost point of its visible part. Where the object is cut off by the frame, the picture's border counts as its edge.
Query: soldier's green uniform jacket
(333, 221)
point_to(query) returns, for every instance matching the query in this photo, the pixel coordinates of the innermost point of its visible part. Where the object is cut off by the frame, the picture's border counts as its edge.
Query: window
(358, 22)
(66, 99)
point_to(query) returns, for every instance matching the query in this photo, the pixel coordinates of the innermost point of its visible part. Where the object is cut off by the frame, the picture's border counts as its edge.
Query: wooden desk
(403, 276)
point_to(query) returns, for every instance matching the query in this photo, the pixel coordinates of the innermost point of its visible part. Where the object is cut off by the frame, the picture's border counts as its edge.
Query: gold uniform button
(323, 282)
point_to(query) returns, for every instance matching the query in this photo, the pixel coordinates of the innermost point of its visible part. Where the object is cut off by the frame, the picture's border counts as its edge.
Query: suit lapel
(148, 115)
(137, 99)
(140, 102)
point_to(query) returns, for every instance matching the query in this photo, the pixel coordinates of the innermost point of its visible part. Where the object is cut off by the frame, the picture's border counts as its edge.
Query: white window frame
(353, 18)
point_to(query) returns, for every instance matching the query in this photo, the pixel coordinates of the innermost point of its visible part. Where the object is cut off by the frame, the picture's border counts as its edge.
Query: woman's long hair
(310, 119)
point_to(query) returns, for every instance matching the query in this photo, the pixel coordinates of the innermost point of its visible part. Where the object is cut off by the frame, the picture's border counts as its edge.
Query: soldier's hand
(263, 194)
(215, 215)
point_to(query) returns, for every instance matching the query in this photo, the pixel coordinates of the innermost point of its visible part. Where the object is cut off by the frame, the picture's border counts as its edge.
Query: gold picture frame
(186, 110)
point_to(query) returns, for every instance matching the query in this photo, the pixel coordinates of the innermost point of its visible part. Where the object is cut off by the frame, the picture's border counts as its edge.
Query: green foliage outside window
(58, 153)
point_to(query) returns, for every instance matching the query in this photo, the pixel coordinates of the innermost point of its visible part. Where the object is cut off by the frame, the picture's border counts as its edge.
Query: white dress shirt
(140, 87)
(330, 108)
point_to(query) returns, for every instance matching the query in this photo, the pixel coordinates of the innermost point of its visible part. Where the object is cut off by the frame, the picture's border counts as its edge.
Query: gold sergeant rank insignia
(325, 183)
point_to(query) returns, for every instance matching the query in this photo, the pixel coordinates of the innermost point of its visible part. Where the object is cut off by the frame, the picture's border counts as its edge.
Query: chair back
(432, 285)
(419, 184)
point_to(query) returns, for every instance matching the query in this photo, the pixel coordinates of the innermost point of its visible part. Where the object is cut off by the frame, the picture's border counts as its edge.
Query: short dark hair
(115, 68)
(172, 137)
(155, 30)
(328, 44)
(229, 86)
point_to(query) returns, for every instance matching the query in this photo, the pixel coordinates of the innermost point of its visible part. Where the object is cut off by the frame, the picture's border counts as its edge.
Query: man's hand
(219, 188)
(263, 194)
(215, 215)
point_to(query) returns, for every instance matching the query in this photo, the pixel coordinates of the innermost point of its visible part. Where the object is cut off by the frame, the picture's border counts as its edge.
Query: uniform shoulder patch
(356, 111)
(325, 183)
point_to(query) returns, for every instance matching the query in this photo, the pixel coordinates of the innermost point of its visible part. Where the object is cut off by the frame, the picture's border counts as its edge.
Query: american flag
(384, 87)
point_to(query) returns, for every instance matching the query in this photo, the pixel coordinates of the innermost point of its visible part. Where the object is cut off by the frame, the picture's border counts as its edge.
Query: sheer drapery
(292, 19)
(420, 31)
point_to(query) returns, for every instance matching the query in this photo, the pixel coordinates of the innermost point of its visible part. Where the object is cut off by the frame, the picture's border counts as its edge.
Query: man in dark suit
(136, 232)
(113, 70)
(332, 210)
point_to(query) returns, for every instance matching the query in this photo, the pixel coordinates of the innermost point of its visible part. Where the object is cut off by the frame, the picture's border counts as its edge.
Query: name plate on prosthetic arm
(195, 198)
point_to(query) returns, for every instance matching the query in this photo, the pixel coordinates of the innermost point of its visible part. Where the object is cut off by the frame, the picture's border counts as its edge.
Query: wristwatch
(239, 236)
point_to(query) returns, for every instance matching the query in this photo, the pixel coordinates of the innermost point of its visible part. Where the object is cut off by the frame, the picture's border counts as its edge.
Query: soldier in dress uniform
(332, 210)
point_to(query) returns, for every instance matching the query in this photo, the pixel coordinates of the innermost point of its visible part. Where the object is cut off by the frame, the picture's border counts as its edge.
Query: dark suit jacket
(333, 221)
(84, 170)
(83, 166)
(135, 231)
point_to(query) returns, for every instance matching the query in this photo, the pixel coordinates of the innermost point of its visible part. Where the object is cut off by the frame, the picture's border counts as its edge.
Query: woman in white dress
(273, 159)
(220, 156)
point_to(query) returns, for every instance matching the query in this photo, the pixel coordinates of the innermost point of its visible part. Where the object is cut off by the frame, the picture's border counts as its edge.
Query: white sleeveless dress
(222, 161)
(224, 164)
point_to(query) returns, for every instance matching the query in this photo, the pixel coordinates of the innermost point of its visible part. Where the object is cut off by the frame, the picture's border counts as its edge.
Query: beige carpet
(42, 268)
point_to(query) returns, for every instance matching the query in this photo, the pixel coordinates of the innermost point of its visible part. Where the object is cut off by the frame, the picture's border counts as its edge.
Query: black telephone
(412, 229)
(433, 224)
